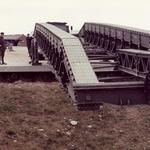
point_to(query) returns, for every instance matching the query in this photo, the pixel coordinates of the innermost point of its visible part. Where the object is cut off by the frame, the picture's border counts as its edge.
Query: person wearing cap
(34, 50)
(28, 42)
(2, 47)
(147, 88)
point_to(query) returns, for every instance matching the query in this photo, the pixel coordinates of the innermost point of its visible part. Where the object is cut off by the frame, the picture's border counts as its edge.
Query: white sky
(20, 16)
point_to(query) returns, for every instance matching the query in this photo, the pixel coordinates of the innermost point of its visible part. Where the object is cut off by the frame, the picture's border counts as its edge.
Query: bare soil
(37, 116)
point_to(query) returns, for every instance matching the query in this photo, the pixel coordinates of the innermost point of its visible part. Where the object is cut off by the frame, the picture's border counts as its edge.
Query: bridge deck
(18, 61)
(79, 63)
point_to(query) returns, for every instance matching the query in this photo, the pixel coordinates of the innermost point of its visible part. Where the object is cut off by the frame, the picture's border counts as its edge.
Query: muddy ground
(38, 116)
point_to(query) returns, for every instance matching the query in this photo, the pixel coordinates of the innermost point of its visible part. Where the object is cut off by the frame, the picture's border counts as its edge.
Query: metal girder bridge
(134, 61)
(114, 40)
(88, 66)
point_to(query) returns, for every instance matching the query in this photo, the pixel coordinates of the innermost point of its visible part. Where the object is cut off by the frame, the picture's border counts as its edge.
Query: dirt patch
(37, 116)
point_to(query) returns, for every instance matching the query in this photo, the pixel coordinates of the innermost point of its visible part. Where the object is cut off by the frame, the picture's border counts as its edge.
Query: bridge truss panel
(73, 68)
(73, 50)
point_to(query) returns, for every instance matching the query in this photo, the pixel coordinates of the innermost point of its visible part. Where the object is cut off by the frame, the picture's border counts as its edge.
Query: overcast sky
(20, 16)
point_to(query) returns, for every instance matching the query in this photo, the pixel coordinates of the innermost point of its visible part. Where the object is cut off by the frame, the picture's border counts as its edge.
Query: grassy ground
(37, 116)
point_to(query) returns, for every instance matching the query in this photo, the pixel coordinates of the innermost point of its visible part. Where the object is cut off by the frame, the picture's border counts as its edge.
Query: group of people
(31, 46)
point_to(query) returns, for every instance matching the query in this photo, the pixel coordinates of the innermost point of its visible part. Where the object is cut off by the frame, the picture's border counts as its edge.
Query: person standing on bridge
(28, 42)
(34, 51)
(147, 87)
(2, 47)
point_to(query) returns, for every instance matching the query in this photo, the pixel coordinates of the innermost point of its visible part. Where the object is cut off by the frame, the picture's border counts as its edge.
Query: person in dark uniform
(147, 88)
(28, 42)
(34, 51)
(2, 47)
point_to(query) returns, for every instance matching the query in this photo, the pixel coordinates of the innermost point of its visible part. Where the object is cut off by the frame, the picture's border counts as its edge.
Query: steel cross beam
(72, 68)
(136, 62)
(111, 37)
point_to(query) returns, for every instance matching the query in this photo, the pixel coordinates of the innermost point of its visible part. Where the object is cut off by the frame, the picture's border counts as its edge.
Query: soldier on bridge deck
(147, 88)
(2, 47)
(34, 51)
(28, 42)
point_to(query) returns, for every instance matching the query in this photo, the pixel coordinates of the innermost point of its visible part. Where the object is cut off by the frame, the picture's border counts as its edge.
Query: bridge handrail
(136, 36)
(75, 58)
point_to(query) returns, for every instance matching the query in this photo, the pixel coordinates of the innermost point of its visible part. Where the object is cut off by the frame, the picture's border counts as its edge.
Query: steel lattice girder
(136, 62)
(72, 68)
(124, 37)
(113, 37)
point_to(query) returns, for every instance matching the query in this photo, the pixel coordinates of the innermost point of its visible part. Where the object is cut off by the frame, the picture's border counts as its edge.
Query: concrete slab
(18, 61)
